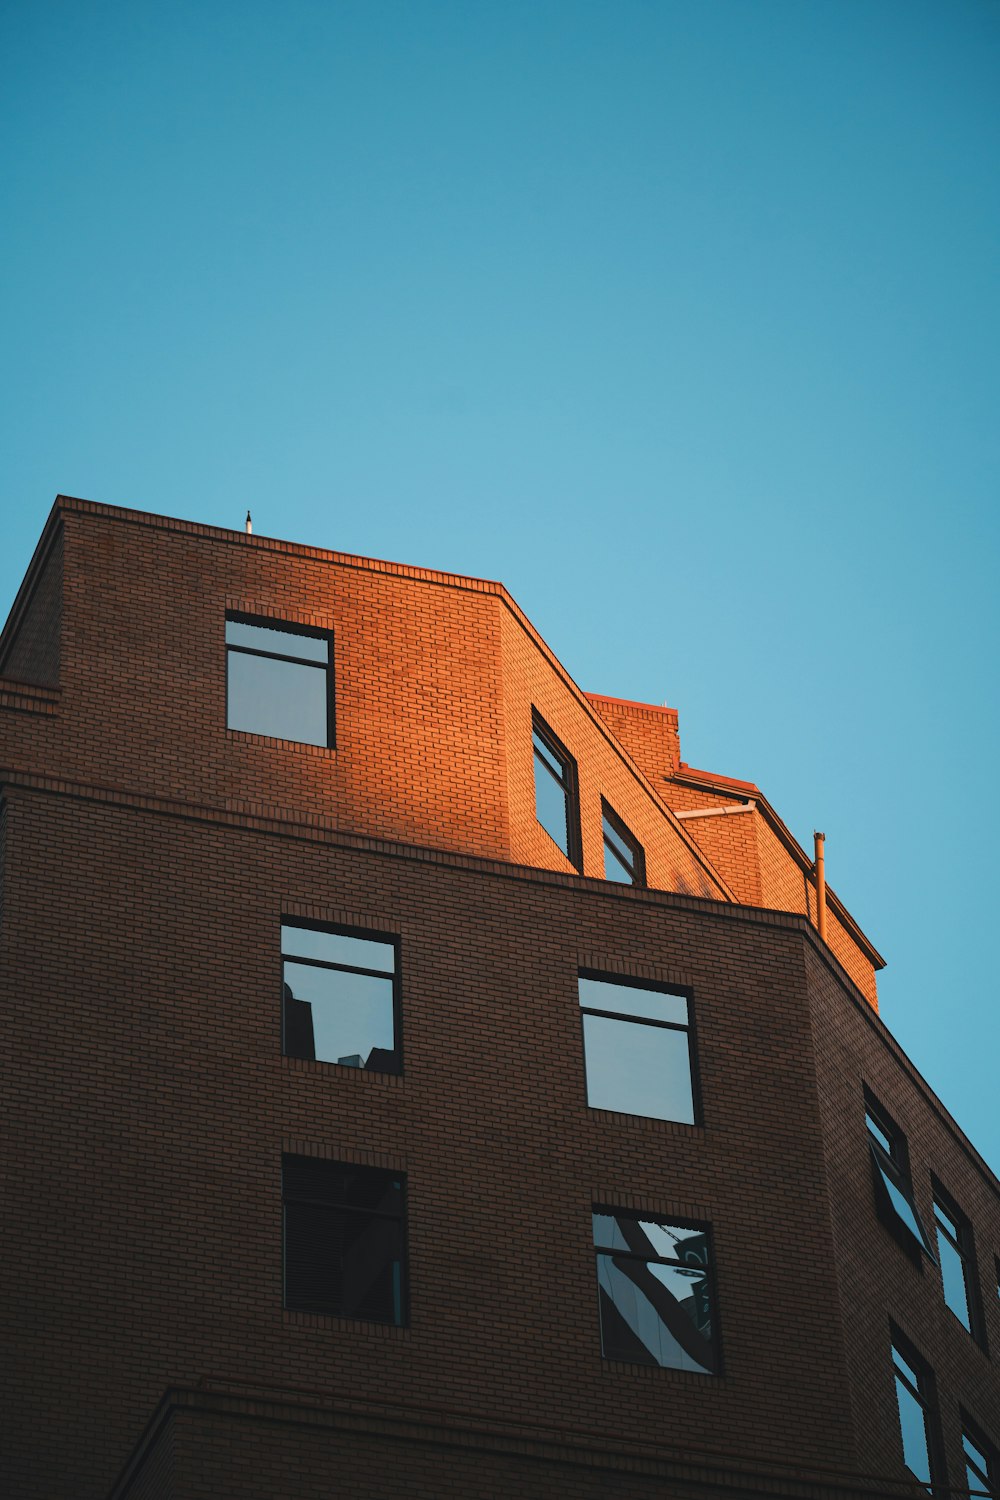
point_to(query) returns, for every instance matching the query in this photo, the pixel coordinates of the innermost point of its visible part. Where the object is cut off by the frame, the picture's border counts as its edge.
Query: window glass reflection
(630, 1000)
(334, 1013)
(654, 1295)
(279, 642)
(550, 807)
(913, 1426)
(638, 1070)
(337, 948)
(280, 698)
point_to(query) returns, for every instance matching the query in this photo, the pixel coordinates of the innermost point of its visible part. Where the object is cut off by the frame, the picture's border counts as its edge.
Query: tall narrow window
(279, 680)
(344, 1249)
(956, 1257)
(982, 1467)
(637, 1049)
(623, 856)
(654, 1287)
(893, 1189)
(917, 1415)
(340, 997)
(556, 802)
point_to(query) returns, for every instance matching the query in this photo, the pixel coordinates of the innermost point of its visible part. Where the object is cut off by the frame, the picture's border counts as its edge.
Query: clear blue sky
(679, 318)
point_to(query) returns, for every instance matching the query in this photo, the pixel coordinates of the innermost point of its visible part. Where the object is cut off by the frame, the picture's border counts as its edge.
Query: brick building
(418, 1080)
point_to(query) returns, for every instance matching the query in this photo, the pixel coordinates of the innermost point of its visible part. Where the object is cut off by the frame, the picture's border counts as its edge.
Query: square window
(894, 1198)
(340, 997)
(557, 805)
(279, 680)
(344, 1241)
(654, 1289)
(916, 1406)
(637, 1049)
(957, 1260)
(624, 860)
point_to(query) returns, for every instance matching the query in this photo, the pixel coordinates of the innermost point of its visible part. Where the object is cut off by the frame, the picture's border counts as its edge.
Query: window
(556, 801)
(279, 681)
(654, 1289)
(956, 1257)
(637, 1049)
(344, 1252)
(982, 1466)
(917, 1414)
(623, 856)
(340, 997)
(893, 1188)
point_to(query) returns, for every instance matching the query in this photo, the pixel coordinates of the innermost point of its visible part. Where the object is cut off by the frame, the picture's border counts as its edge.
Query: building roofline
(73, 505)
(728, 786)
(22, 599)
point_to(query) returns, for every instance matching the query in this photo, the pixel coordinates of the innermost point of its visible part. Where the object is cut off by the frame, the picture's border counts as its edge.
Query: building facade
(418, 1080)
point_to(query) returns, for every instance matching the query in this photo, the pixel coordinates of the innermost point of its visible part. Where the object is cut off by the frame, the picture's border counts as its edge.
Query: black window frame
(625, 836)
(286, 627)
(569, 782)
(673, 1221)
(621, 981)
(925, 1393)
(895, 1163)
(989, 1482)
(364, 934)
(296, 1303)
(963, 1242)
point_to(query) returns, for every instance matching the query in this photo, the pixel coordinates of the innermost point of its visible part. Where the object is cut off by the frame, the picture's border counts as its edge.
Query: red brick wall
(649, 734)
(149, 1106)
(673, 861)
(878, 1281)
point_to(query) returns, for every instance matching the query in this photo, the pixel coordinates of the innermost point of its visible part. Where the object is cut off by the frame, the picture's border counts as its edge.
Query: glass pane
(615, 869)
(904, 1208)
(352, 1015)
(341, 1184)
(283, 642)
(630, 1000)
(654, 1314)
(548, 757)
(342, 1263)
(905, 1369)
(617, 843)
(953, 1279)
(913, 1427)
(550, 806)
(650, 1237)
(280, 698)
(977, 1466)
(875, 1130)
(337, 948)
(638, 1070)
(945, 1221)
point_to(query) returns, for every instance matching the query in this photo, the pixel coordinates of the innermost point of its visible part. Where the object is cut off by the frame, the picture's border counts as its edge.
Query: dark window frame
(965, 1245)
(659, 987)
(287, 627)
(925, 1394)
(629, 840)
(400, 1218)
(674, 1221)
(569, 782)
(364, 934)
(895, 1163)
(988, 1483)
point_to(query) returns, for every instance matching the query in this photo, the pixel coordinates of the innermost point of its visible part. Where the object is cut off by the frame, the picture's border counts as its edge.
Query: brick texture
(148, 857)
